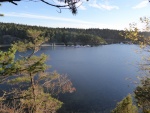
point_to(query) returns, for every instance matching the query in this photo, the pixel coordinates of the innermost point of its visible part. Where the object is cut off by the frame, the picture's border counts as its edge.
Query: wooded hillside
(10, 32)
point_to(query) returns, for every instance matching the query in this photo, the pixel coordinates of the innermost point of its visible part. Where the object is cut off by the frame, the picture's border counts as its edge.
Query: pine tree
(125, 106)
(39, 86)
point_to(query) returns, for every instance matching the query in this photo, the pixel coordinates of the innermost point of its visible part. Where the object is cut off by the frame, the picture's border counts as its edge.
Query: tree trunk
(34, 94)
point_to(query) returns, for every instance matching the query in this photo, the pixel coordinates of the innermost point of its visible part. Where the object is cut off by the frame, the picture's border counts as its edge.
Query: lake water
(98, 73)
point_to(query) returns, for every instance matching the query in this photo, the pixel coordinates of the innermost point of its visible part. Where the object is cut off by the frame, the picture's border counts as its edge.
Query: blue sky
(112, 14)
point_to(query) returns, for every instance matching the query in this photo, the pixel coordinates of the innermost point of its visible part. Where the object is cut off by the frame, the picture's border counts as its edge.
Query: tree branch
(59, 6)
(70, 4)
(11, 1)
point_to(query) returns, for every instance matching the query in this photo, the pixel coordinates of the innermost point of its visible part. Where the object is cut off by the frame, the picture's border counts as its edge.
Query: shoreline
(52, 45)
(5, 45)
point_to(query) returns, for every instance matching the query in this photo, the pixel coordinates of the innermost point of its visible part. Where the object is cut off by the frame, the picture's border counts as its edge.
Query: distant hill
(10, 32)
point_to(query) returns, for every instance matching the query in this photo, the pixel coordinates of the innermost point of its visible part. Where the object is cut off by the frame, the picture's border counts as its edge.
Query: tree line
(10, 32)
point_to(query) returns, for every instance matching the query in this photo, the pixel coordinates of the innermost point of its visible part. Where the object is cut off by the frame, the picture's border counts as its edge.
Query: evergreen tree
(38, 86)
(142, 95)
(125, 106)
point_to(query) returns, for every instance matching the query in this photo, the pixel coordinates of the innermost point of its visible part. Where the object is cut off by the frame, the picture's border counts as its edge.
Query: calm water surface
(98, 73)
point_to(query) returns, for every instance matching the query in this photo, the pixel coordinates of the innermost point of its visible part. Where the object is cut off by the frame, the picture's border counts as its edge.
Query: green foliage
(60, 35)
(7, 61)
(19, 80)
(30, 71)
(142, 92)
(44, 101)
(125, 106)
(136, 35)
(34, 42)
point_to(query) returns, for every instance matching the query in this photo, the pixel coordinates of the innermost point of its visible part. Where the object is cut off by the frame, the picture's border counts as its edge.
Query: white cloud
(141, 4)
(82, 7)
(42, 17)
(59, 21)
(104, 6)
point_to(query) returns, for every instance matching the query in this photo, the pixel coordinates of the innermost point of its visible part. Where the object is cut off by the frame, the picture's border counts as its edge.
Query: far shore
(8, 45)
(63, 45)
(43, 45)
(5, 45)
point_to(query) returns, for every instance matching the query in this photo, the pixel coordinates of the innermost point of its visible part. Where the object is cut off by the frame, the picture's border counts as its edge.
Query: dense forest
(10, 32)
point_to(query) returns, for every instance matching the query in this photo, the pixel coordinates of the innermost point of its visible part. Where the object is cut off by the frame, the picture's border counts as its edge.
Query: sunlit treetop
(68, 4)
